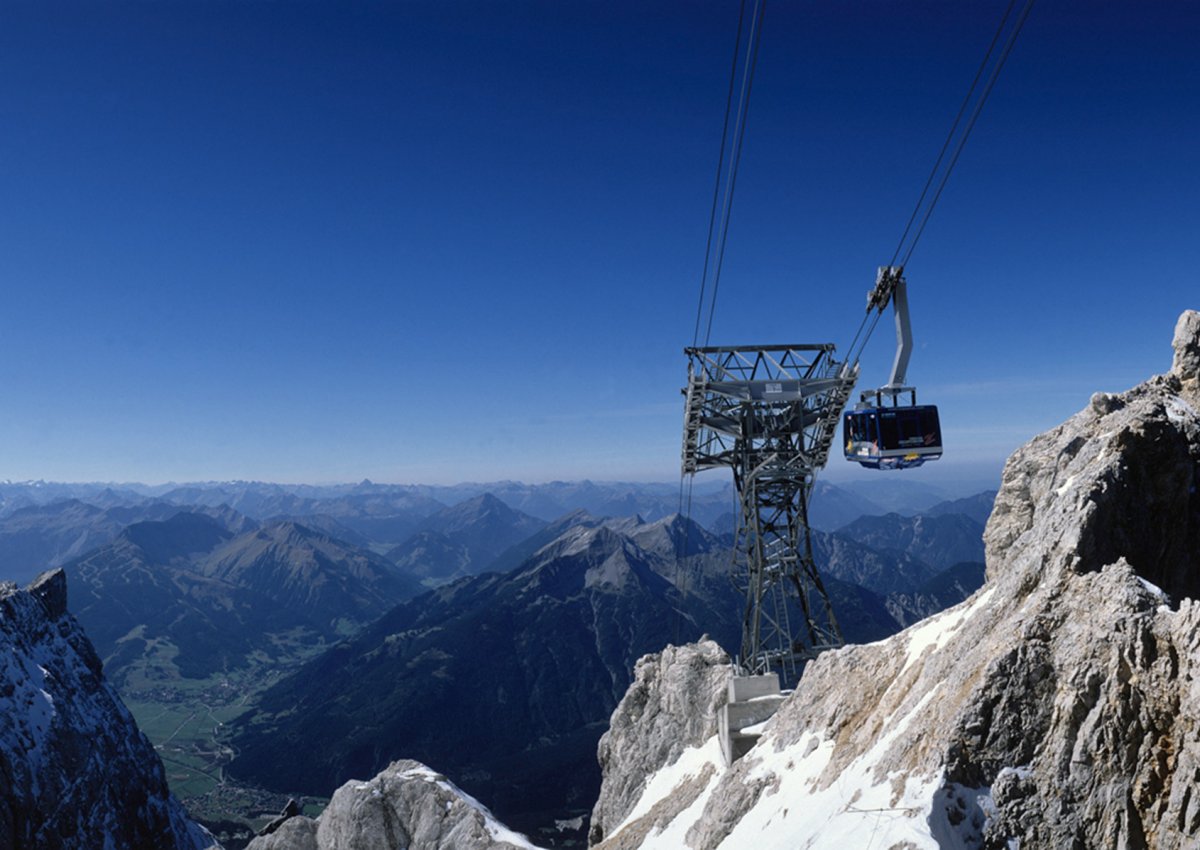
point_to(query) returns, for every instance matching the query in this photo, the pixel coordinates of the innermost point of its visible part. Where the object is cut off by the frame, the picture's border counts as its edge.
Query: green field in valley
(187, 719)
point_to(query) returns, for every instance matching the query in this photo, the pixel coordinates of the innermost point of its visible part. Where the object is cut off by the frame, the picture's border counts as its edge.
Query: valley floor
(186, 721)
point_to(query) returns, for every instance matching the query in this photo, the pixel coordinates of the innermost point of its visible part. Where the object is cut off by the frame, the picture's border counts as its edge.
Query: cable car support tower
(770, 412)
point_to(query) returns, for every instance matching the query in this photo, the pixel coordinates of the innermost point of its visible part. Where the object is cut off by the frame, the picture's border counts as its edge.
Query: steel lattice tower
(769, 413)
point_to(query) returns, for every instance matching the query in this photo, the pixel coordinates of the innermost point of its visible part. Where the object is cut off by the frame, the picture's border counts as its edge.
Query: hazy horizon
(703, 484)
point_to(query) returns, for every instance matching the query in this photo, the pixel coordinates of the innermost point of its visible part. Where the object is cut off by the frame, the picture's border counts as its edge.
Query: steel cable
(736, 154)
(953, 130)
(712, 216)
(856, 347)
(970, 125)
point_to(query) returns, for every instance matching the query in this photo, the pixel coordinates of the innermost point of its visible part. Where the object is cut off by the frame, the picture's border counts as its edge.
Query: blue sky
(463, 241)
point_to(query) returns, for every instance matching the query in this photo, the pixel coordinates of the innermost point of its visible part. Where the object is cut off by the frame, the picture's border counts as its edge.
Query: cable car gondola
(897, 437)
(880, 435)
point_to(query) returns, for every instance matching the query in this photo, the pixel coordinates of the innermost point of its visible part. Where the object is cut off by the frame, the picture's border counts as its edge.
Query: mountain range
(193, 594)
(522, 667)
(504, 679)
(192, 589)
(463, 539)
(38, 537)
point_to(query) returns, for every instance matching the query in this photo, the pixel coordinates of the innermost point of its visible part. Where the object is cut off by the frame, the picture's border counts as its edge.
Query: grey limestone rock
(295, 833)
(291, 810)
(1186, 365)
(75, 771)
(51, 589)
(1059, 707)
(672, 705)
(407, 805)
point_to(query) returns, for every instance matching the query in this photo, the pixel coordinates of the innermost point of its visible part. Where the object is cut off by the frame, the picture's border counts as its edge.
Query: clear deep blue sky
(463, 240)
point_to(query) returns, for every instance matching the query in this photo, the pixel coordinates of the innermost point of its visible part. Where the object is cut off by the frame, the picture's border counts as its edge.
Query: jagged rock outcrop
(1186, 364)
(74, 769)
(290, 810)
(1059, 707)
(407, 805)
(672, 705)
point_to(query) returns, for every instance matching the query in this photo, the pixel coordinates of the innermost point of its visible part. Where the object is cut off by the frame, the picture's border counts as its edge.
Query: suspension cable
(712, 216)
(1012, 38)
(686, 482)
(733, 134)
(736, 155)
(726, 179)
(953, 130)
(869, 322)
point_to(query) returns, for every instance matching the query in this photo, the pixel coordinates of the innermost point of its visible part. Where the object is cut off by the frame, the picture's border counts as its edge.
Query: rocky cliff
(407, 805)
(670, 708)
(75, 771)
(1058, 707)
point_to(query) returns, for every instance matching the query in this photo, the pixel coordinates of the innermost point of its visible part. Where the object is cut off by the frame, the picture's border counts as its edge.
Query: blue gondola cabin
(893, 437)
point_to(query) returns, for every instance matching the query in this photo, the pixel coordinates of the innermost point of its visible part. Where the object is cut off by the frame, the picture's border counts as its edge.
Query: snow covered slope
(1058, 707)
(75, 772)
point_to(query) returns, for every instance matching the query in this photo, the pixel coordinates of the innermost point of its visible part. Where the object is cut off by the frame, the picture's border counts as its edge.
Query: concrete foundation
(752, 700)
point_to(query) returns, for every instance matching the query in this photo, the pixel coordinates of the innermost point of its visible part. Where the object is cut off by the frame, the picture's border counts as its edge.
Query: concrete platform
(752, 700)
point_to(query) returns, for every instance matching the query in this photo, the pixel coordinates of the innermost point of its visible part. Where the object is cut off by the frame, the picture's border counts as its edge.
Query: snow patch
(959, 816)
(666, 779)
(857, 809)
(939, 628)
(691, 763)
(1060, 491)
(30, 706)
(1023, 772)
(1154, 589)
(1179, 411)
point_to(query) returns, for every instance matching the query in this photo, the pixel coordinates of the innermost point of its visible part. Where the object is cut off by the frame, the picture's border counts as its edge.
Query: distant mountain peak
(482, 504)
(290, 531)
(627, 563)
(580, 539)
(464, 539)
(574, 517)
(180, 536)
(675, 535)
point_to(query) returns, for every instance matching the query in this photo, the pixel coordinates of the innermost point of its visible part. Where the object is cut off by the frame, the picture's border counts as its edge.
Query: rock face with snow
(74, 769)
(672, 705)
(1059, 707)
(407, 805)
